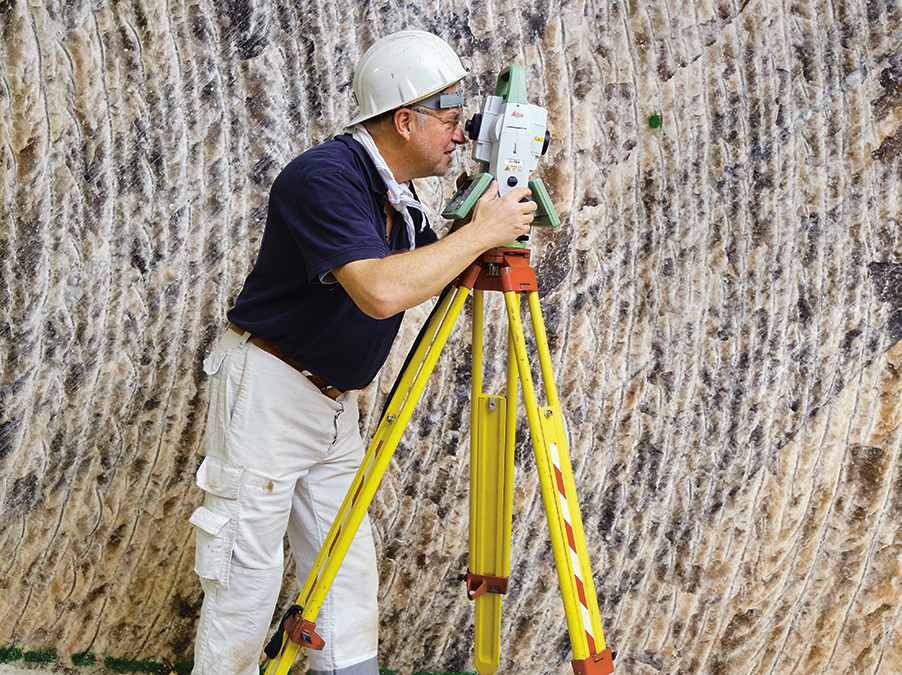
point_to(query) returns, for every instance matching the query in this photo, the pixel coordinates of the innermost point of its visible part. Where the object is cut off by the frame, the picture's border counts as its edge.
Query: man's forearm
(382, 287)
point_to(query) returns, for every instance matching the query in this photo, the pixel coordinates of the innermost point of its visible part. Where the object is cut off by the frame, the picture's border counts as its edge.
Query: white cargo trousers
(280, 457)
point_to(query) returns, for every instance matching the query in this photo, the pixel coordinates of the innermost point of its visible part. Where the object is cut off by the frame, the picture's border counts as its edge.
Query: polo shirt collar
(375, 181)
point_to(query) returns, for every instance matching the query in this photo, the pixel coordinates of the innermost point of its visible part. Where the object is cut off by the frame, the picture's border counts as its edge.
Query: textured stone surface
(723, 303)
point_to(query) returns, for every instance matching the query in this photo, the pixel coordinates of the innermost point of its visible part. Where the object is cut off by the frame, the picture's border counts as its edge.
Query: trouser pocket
(217, 520)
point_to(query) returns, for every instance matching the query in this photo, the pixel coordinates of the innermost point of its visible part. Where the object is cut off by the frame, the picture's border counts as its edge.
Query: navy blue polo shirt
(326, 208)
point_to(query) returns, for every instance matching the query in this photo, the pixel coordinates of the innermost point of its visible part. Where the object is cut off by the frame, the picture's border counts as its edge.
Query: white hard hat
(403, 68)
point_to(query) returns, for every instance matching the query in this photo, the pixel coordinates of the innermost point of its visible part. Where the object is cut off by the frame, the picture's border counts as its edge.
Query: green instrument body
(510, 135)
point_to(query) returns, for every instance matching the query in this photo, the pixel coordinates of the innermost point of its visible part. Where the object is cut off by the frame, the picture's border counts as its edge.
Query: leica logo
(516, 114)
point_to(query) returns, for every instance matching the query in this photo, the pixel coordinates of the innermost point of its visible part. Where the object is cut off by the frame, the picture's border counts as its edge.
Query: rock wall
(723, 301)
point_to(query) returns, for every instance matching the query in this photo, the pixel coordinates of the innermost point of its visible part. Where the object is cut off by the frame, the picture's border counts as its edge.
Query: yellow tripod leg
(300, 630)
(590, 656)
(491, 500)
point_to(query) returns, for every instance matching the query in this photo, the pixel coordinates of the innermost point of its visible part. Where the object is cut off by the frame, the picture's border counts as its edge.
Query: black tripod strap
(414, 347)
(274, 646)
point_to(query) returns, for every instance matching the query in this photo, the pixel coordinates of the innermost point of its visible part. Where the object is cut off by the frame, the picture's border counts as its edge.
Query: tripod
(493, 422)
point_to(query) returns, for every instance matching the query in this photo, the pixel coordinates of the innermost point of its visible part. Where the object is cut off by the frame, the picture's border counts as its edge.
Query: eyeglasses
(451, 124)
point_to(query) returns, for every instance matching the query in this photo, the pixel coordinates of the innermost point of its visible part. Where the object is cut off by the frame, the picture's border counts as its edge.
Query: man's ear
(404, 122)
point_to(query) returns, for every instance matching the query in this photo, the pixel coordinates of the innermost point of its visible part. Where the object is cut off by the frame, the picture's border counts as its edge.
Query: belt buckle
(324, 387)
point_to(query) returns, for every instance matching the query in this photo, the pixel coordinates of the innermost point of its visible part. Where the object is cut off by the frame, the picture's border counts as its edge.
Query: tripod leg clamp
(597, 664)
(300, 631)
(477, 584)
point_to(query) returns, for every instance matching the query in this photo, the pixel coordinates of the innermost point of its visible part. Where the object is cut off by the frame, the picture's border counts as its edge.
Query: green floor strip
(40, 656)
(85, 658)
(132, 666)
(9, 654)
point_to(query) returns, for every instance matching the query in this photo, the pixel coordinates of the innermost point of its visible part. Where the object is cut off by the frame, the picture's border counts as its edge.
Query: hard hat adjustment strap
(441, 101)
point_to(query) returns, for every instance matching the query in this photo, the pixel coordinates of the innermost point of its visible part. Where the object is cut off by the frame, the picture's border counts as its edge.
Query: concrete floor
(22, 668)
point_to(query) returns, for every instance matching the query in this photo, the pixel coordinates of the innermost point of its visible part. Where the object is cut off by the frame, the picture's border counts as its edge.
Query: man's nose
(458, 136)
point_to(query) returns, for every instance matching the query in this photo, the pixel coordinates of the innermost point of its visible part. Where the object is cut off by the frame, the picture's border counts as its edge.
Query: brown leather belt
(270, 348)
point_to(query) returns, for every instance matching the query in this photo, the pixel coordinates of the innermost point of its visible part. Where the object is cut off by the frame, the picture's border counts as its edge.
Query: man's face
(437, 134)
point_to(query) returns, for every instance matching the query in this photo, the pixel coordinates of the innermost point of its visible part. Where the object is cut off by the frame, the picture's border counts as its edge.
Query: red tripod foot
(599, 664)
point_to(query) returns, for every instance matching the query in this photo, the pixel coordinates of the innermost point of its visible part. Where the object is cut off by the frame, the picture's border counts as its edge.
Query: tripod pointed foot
(598, 664)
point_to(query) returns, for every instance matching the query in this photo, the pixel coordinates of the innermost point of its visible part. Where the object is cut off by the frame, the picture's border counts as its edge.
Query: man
(345, 251)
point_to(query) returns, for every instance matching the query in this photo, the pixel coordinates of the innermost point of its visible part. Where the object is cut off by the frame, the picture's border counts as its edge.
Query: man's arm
(382, 287)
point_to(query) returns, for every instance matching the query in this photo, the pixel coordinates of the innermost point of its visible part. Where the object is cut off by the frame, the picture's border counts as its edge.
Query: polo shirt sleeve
(329, 214)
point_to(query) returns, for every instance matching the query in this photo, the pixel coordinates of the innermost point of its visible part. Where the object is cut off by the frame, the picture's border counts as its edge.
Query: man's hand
(500, 221)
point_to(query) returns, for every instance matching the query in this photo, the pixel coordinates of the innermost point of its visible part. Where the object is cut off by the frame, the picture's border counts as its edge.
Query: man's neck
(391, 148)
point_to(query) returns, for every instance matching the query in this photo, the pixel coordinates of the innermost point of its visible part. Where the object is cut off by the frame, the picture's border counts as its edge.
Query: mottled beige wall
(724, 304)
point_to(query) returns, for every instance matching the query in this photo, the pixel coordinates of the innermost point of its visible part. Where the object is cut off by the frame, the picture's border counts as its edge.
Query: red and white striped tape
(571, 541)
